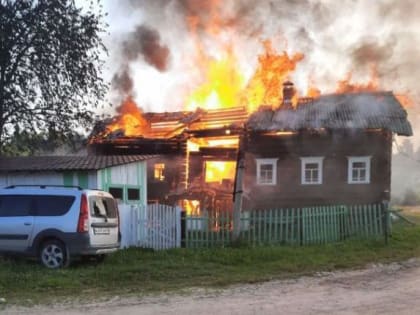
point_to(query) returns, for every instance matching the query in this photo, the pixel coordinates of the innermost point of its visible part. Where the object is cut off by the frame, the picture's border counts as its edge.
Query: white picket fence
(153, 226)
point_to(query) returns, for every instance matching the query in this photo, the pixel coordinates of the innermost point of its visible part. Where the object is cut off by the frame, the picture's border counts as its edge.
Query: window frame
(311, 160)
(355, 159)
(265, 161)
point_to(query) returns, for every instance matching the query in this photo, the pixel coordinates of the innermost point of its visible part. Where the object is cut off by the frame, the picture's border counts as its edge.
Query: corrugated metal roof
(67, 163)
(338, 111)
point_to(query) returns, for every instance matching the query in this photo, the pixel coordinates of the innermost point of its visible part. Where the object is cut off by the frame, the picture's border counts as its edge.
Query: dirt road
(380, 289)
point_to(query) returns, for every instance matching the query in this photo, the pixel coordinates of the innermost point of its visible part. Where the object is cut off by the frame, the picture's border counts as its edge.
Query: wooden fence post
(183, 228)
(237, 205)
(385, 220)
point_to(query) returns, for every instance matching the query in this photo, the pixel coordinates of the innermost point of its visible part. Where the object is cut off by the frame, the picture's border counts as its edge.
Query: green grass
(136, 271)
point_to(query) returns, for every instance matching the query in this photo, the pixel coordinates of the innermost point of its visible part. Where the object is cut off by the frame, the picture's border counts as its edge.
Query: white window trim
(273, 162)
(311, 159)
(351, 160)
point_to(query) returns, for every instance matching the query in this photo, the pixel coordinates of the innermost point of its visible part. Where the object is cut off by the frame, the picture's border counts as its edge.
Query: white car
(57, 224)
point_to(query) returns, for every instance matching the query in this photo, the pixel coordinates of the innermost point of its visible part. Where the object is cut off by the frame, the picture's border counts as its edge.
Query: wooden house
(335, 149)
(124, 176)
(191, 146)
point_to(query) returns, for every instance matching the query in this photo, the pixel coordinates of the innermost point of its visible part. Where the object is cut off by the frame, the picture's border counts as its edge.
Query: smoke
(122, 82)
(336, 37)
(153, 44)
(371, 52)
(145, 42)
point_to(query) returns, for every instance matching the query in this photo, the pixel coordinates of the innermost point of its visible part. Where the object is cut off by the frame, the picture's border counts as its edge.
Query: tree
(24, 143)
(50, 66)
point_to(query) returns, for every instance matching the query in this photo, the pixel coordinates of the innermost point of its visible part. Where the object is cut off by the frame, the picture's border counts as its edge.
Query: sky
(153, 47)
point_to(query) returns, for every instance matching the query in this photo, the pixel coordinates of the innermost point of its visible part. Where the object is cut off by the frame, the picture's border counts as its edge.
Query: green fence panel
(310, 225)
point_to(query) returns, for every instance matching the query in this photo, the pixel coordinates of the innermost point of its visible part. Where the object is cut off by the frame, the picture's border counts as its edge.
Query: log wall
(335, 147)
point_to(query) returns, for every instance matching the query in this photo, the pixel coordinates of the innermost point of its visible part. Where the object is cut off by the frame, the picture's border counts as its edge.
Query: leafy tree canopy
(50, 67)
(24, 143)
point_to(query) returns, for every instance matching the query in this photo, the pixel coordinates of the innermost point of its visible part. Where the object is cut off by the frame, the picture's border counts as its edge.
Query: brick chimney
(288, 93)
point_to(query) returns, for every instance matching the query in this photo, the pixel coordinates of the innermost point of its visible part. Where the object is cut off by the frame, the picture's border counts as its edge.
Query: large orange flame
(265, 87)
(225, 84)
(130, 120)
(222, 87)
(216, 171)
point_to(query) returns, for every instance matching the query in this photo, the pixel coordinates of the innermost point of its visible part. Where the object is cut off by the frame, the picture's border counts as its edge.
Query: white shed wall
(125, 174)
(31, 178)
(45, 178)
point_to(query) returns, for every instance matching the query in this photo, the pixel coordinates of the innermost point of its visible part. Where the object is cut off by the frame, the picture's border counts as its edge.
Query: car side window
(52, 205)
(15, 205)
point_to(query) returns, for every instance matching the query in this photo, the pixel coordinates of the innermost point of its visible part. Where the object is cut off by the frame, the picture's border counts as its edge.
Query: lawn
(137, 271)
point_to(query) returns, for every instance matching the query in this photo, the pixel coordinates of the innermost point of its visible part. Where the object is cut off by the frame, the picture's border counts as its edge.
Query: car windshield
(102, 207)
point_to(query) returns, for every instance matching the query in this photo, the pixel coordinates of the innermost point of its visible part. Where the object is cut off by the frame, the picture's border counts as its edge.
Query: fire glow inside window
(359, 170)
(217, 171)
(311, 170)
(159, 171)
(266, 171)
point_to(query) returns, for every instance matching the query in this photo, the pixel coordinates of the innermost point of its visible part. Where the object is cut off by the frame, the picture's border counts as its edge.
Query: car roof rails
(44, 186)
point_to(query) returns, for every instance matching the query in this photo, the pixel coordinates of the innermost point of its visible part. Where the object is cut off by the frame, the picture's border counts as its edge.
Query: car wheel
(53, 254)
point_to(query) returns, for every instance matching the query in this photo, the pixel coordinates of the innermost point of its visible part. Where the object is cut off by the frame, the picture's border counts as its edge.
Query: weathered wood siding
(335, 147)
(174, 172)
(126, 176)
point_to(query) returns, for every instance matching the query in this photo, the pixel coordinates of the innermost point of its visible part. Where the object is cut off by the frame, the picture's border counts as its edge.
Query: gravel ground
(377, 289)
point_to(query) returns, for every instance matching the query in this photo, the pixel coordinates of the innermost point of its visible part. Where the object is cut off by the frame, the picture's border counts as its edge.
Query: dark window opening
(133, 194)
(117, 193)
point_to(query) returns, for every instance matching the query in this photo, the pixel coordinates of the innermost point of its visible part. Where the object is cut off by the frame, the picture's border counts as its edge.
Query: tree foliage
(50, 66)
(24, 143)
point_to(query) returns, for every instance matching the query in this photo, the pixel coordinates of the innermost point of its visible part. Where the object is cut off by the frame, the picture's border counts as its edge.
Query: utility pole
(238, 189)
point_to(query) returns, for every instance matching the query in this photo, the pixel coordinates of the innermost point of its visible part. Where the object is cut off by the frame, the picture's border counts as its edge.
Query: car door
(16, 222)
(103, 220)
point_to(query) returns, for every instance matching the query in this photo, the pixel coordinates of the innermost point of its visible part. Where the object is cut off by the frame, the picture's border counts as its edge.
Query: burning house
(197, 151)
(333, 149)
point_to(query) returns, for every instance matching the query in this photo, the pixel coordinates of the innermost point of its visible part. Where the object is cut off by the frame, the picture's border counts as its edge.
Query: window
(116, 192)
(102, 207)
(311, 170)
(266, 171)
(359, 170)
(15, 205)
(133, 194)
(52, 205)
(159, 171)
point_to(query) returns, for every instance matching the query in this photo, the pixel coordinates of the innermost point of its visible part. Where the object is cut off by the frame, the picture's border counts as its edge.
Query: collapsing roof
(174, 124)
(362, 110)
